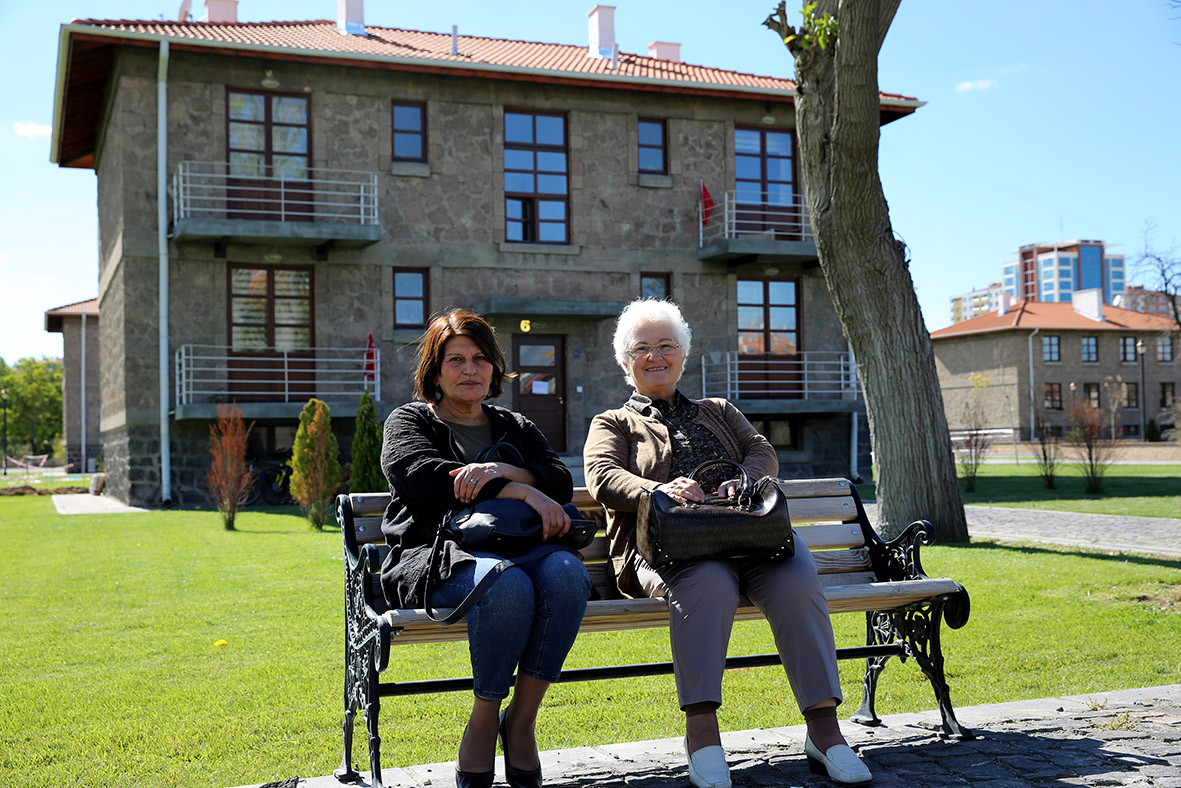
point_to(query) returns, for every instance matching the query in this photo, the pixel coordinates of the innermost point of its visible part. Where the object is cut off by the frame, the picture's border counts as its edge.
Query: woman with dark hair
(528, 619)
(653, 442)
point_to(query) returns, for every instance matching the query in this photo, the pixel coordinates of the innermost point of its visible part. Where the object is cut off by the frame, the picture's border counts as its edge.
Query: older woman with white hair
(653, 442)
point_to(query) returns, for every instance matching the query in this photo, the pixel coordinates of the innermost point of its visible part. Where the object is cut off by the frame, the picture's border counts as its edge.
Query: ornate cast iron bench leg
(878, 631)
(920, 627)
(353, 690)
(372, 710)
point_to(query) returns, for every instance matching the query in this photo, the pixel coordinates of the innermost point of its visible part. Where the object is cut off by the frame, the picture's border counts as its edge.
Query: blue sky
(1046, 120)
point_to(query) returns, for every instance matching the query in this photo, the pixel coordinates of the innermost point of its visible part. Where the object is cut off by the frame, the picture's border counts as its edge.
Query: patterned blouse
(692, 442)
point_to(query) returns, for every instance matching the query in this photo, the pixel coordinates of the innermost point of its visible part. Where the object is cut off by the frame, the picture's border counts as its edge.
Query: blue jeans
(529, 617)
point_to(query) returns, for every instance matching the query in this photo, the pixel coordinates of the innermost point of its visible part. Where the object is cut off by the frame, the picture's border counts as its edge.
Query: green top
(471, 440)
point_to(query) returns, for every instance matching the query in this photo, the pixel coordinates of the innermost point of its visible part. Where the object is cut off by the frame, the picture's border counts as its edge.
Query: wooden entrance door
(769, 361)
(539, 392)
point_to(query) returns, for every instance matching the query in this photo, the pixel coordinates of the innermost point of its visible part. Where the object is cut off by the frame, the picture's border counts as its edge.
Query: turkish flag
(370, 359)
(707, 205)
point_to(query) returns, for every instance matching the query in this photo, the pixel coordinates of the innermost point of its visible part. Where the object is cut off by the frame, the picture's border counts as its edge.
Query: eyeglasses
(663, 349)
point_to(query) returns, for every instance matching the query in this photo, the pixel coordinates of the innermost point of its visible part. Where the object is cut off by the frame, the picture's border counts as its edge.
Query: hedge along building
(272, 194)
(1039, 358)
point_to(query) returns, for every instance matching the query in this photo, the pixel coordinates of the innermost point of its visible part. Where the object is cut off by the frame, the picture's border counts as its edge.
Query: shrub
(1091, 443)
(229, 479)
(1152, 431)
(1048, 455)
(976, 441)
(365, 474)
(315, 465)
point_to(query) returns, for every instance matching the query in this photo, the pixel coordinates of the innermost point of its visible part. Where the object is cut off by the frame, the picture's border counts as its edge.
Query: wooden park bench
(860, 572)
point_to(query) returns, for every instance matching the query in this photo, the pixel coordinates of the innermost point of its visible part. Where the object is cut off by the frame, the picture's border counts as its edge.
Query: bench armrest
(898, 559)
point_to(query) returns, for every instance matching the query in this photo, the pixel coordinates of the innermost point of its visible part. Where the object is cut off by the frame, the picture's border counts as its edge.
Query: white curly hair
(646, 312)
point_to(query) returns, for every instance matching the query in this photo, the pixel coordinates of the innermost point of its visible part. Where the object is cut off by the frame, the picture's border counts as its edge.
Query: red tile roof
(88, 307)
(1062, 317)
(320, 38)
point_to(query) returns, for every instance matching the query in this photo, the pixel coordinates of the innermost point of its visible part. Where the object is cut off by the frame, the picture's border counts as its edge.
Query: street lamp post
(1140, 349)
(4, 397)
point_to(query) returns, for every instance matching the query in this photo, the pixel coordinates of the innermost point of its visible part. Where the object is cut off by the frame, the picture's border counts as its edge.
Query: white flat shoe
(707, 767)
(840, 763)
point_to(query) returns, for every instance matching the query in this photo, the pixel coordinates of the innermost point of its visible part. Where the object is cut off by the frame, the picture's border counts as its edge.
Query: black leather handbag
(752, 523)
(507, 527)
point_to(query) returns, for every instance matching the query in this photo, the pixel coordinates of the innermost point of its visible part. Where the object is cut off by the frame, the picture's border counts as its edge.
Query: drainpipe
(1032, 417)
(82, 394)
(854, 476)
(162, 250)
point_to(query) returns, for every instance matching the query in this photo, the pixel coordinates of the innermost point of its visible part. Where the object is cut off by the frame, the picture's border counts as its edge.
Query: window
(783, 434)
(409, 124)
(1131, 430)
(1050, 349)
(536, 198)
(1164, 349)
(1052, 431)
(764, 182)
(1131, 395)
(267, 135)
(655, 286)
(768, 317)
(1053, 398)
(410, 297)
(653, 146)
(1090, 349)
(1168, 394)
(270, 308)
(1127, 348)
(1091, 394)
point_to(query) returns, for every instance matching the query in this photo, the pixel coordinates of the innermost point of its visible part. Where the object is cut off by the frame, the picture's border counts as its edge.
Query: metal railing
(209, 190)
(810, 375)
(216, 373)
(754, 214)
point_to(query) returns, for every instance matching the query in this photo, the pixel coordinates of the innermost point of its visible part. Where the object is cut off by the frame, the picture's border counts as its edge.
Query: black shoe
(474, 779)
(517, 778)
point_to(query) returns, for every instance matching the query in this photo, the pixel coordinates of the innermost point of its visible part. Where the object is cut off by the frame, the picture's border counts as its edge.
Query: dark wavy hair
(457, 323)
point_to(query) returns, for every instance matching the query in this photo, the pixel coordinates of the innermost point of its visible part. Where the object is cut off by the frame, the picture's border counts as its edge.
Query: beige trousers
(702, 598)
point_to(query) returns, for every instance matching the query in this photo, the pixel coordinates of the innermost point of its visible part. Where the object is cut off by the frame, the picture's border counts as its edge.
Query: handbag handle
(745, 489)
(487, 452)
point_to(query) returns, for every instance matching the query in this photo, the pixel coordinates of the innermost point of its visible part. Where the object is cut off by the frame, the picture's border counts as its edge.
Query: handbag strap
(473, 596)
(505, 447)
(742, 474)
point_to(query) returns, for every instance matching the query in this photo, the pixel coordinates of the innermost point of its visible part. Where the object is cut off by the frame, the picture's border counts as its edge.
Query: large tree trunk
(866, 269)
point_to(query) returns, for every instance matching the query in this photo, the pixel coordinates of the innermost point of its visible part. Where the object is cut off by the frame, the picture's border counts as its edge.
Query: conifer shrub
(315, 464)
(365, 474)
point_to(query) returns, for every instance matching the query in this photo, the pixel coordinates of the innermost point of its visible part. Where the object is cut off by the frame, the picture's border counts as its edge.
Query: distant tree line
(34, 404)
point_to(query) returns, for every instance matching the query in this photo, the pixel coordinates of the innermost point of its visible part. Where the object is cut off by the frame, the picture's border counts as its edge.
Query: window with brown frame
(655, 286)
(768, 317)
(536, 183)
(270, 308)
(268, 145)
(1053, 398)
(410, 297)
(1168, 395)
(1164, 349)
(783, 433)
(1091, 394)
(1090, 350)
(653, 146)
(1050, 349)
(1127, 348)
(409, 131)
(1131, 395)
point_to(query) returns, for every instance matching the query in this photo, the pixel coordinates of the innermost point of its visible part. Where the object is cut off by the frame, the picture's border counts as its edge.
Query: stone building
(297, 187)
(1027, 362)
(78, 324)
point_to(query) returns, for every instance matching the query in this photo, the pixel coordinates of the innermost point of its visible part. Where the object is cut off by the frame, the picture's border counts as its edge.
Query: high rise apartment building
(975, 303)
(1052, 272)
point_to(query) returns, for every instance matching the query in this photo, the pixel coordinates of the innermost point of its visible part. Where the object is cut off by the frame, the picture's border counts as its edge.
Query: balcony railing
(811, 375)
(755, 214)
(216, 373)
(208, 190)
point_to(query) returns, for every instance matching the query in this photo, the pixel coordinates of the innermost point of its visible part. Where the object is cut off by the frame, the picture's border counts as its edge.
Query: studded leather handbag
(754, 522)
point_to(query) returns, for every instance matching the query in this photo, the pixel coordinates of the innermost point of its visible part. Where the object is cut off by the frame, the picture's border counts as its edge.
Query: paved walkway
(1125, 738)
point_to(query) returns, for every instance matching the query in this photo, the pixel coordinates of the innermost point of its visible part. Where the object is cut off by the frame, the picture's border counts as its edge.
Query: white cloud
(980, 84)
(31, 131)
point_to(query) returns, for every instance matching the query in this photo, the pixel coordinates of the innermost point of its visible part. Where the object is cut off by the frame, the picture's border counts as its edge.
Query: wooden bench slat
(814, 488)
(609, 615)
(804, 511)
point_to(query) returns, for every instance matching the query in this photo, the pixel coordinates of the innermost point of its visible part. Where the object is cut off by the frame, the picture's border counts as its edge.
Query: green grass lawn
(1142, 490)
(109, 672)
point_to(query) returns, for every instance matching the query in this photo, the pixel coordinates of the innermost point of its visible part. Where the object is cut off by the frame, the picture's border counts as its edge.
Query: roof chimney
(1004, 302)
(350, 17)
(663, 50)
(1089, 303)
(221, 12)
(601, 24)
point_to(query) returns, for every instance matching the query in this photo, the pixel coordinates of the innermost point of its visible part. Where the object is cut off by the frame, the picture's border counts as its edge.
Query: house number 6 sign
(526, 326)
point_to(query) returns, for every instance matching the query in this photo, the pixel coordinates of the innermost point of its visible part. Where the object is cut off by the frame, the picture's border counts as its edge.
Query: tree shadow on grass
(1000, 489)
(1097, 554)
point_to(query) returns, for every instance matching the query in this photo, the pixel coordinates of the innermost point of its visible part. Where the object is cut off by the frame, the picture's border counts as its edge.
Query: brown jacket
(627, 453)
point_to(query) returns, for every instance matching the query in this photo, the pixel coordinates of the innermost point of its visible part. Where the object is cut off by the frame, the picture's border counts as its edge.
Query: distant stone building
(1029, 361)
(1151, 302)
(81, 395)
(297, 187)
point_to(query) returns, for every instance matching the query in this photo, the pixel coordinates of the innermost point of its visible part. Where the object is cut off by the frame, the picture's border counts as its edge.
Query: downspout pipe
(1032, 415)
(162, 251)
(82, 393)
